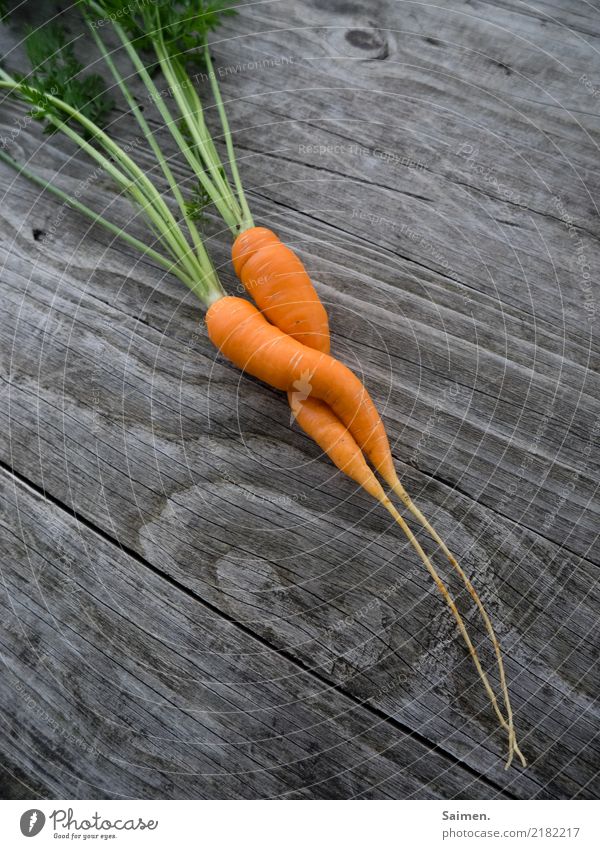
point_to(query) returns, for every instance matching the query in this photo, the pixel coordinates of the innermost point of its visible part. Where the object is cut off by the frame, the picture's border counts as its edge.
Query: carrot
(248, 242)
(278, 283)
(343, 420)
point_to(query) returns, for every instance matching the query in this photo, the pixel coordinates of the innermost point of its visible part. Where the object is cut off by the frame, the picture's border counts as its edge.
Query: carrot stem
(169, 265)
(136, 182)
(129, 176)
(148, 134)
(247, 220)
(179, 82)
(193, 161)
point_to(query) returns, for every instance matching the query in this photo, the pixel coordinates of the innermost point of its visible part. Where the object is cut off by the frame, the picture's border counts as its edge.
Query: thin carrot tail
(509, 725)
(452, 605)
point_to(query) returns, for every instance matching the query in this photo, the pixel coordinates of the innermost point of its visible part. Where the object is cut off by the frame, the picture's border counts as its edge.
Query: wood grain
(175, 700)
(174, 546)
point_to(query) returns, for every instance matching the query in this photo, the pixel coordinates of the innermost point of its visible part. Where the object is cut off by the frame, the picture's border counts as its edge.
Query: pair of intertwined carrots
(286, 340)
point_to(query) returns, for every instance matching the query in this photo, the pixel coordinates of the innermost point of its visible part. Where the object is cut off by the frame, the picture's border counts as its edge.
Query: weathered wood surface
(196, 604)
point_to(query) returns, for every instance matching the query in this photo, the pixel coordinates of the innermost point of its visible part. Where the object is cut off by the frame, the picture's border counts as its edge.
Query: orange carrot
(248, 242)
(278, 283)
(341, 417)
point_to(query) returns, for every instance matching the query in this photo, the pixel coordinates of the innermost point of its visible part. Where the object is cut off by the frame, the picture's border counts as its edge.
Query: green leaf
(183, 24)
(196, 205)
(57, 71)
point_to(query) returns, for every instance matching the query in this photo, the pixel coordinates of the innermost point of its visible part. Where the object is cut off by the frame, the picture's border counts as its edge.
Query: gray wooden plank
(475, 210)
(522, 284)
(180, 491)
(509, 410)
(15, 783)
(118, 683)
(476, 345)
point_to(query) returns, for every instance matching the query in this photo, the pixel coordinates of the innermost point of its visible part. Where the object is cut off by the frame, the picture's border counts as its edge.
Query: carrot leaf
(196, 205)
(56, 70)
(184, 24)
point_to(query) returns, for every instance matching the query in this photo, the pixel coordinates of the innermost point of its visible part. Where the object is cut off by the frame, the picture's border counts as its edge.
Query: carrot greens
(171, 37)
(56, 69)
(66, 99)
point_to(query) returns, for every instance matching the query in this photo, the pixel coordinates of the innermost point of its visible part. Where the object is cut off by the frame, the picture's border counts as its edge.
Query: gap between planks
(214, 611)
